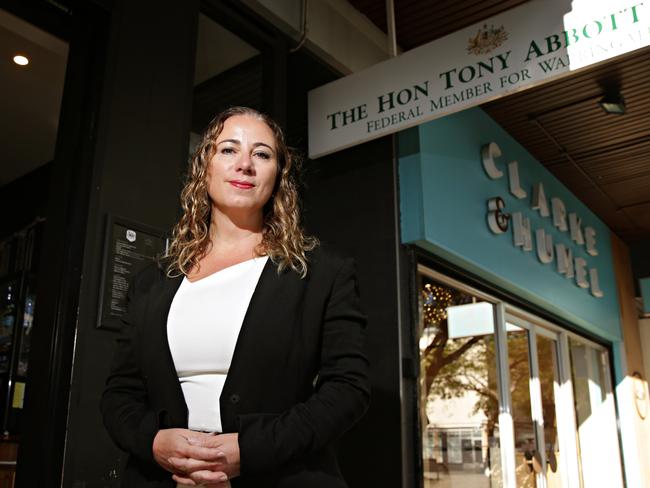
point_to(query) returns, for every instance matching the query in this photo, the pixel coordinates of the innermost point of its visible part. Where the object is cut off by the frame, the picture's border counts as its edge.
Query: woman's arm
(341, 395)
(127, 418)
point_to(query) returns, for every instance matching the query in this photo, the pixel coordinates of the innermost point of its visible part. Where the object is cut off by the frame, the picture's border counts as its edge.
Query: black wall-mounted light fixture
(613, 104)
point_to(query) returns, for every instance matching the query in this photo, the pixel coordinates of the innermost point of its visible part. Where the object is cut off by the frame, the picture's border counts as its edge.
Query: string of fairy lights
(435, 300)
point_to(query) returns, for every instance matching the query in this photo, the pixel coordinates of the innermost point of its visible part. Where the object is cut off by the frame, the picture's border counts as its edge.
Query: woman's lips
(244, 185)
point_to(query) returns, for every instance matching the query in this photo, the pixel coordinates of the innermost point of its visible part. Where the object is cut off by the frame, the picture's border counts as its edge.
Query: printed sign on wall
(528, 45)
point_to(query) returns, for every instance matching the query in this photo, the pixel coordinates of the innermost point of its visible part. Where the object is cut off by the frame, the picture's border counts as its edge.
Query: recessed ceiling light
(21, 60)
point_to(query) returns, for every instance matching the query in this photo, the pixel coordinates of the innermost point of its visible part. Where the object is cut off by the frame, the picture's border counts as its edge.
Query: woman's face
(242, 172)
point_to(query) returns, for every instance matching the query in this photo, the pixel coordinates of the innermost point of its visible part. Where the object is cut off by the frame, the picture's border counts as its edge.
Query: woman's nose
(245, 162)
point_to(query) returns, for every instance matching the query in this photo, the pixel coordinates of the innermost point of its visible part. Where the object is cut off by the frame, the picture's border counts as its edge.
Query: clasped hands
(196, 458)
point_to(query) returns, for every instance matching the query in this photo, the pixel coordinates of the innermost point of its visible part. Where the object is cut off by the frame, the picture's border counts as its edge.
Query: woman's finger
(181, 479)
(188, 465)
(208, 476)
(204, 453)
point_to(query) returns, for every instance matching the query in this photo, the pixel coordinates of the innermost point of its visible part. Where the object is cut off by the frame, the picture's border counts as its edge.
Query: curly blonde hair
(283, 238)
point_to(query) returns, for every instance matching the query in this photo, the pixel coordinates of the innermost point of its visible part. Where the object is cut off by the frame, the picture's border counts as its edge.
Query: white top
(202, 328)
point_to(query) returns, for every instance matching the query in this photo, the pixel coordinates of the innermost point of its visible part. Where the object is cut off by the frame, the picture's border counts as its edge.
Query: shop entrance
(508, 398)
(33, 73)
(49, 97)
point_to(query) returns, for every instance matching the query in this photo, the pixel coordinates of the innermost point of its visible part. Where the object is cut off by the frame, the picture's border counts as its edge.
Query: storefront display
(508, 398)
(536, 401)
(18, 278)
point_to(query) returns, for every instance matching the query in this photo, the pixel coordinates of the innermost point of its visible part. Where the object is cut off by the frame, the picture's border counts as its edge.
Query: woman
(241, 360)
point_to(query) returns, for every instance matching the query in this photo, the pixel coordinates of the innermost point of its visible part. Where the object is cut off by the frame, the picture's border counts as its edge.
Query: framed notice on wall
(128, 247)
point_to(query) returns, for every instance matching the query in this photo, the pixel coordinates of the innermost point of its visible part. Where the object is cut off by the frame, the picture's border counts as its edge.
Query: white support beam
(506, 425)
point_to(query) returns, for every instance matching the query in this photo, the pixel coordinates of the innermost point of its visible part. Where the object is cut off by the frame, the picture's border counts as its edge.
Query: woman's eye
(263, 155)
(227, 150)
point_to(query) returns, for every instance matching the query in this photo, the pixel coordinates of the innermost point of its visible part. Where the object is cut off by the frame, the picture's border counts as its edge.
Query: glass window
(9, 292)
(484, 409)
(534, 382)
(549, 385)
(595, 416)
(459, 391)
(526, 453)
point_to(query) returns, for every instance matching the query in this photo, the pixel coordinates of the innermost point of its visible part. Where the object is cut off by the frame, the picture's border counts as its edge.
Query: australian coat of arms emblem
(487, 39)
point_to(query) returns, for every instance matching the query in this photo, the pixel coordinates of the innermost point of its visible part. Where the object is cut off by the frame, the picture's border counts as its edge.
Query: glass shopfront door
(534, 377)
(526, 440)
(598, 445)
(459, 390)
(508, 399)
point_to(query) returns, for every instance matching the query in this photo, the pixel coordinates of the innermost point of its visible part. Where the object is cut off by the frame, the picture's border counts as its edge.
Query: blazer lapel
(270, 286)
(270, 317)
(262, 298)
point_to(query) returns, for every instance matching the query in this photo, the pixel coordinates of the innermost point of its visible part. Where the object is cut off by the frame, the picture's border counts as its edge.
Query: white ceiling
(30, 96)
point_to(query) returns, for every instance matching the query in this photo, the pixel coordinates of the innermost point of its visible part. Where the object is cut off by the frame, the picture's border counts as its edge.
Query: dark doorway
(49, 94)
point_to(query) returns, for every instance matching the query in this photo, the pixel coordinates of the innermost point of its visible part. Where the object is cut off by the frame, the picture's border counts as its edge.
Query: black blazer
(298, 378)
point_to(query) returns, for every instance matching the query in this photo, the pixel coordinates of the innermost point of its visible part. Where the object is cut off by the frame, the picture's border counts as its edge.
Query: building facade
(504, 338)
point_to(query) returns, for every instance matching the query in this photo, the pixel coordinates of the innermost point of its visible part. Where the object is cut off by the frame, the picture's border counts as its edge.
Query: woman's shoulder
(147, 276)
(327, 258)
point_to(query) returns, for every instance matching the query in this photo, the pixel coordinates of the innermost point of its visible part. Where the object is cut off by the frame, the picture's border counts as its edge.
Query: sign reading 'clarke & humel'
(499, 222)
(536, 42)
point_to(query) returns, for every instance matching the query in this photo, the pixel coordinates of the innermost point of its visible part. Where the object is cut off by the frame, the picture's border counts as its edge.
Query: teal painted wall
(443, 199)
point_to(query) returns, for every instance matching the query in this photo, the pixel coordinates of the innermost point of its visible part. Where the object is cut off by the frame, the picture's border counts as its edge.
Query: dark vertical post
(46, 397)
(350, 204)
(142, 150)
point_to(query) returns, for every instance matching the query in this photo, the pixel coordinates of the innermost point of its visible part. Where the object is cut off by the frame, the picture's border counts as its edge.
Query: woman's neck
(235, 231)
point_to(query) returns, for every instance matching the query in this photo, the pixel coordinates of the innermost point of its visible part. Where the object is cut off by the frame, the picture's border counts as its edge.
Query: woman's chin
(241, 207)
